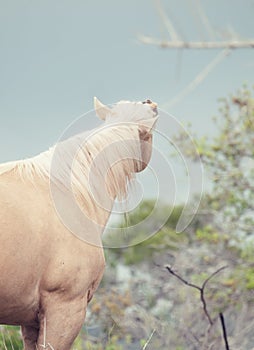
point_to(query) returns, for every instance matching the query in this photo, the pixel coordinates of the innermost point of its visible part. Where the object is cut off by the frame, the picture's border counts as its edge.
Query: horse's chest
(74, 272)
(18, 308)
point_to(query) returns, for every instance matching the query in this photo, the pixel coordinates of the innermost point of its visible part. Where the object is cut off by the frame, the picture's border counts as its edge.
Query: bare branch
(204, 19)
(179, 44)
(199, 78)
(202, 292)
(212, 275)
(224, 331)
(148, 340)
(200, 289)
(170, 270)
(168, 24)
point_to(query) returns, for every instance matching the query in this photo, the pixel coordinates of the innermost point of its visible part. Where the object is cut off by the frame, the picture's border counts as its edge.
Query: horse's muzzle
(153, 106)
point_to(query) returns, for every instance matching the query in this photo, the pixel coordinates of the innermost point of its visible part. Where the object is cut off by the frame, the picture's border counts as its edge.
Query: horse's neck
(84, 219)
(98, 209)
(106, 164)
(93, 182)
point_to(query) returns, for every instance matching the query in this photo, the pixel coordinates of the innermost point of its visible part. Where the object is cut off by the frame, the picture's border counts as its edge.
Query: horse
(54, 208)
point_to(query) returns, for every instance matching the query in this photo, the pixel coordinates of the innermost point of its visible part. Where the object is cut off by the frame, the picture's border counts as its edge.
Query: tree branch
(204, 19)
(168, 24)
(200, 289)
(199, 78)
(224, 330)
(179, 44)
(148, 340)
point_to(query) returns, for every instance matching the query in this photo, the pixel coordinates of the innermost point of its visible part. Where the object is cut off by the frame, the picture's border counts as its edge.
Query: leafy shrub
(10, 338)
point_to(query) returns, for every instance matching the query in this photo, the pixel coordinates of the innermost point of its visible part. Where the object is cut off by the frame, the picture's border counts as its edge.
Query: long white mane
(89, 163)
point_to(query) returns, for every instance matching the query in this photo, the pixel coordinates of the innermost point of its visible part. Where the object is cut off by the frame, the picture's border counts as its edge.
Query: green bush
(10, 338)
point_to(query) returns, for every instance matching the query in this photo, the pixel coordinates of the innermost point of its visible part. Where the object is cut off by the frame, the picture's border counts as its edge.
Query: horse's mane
(75, 159)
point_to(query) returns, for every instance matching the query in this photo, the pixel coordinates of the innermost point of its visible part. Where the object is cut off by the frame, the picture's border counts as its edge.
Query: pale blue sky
(56, 55)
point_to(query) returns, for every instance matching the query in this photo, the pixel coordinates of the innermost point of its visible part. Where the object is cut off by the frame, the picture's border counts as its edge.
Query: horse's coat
(48, 275)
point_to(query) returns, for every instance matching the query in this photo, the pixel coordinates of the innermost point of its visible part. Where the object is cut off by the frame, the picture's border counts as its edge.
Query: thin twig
(202, 292)
(170, 270)
(212, 275)
(199, 78)
(148, 340)
(224, 330)
(204, 19)
(168, 24)
(200, 289)
(111, 330)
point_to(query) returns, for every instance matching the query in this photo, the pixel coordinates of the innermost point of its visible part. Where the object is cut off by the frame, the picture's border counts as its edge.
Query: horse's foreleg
(60, 323)
(30, 336)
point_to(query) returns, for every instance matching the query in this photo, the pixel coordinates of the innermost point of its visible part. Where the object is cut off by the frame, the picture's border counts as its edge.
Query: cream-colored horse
(51, 256)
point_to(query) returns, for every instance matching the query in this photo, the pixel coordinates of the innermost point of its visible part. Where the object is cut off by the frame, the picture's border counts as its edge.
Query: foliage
(110, 306)
(10, 338)
(249, 275)
(220, 235)
(228, 158)
(165, 239)
(82, 344)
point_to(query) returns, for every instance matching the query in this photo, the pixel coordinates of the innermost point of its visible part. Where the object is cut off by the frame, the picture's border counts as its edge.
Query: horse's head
(141, 114)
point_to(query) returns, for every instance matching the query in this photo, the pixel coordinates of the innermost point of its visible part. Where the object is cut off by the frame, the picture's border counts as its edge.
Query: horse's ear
(101, 110)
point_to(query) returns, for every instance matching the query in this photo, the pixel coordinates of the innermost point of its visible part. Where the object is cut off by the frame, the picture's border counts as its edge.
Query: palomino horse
(51, 260)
